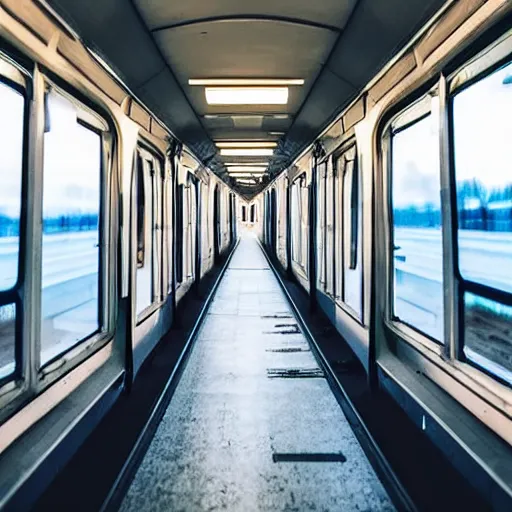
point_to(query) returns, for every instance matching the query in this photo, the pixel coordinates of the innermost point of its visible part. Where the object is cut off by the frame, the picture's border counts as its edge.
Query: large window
(71, 270)
(455, 269)
(482, 136)
(299, 219)
(416, 213)
(321, 171)
(149, 237)
(348, 205)
(12, 107)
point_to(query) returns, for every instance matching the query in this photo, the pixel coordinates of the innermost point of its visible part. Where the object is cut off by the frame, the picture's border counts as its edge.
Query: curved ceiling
(336, 46)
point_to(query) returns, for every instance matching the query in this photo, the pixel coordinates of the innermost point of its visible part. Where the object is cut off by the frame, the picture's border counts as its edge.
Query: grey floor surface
(233, 413)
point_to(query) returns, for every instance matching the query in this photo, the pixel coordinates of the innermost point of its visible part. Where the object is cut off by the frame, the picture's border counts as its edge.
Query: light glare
(247, 152)
(246, 144)
(246, 95)
(245, 81)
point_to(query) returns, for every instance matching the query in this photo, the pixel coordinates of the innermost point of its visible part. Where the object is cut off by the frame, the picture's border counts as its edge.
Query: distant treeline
(479, 208)
(60, 224)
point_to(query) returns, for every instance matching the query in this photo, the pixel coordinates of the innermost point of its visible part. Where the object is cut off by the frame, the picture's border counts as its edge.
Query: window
(12, 106)
(244, 214)
(145, 222)
(481, 114)
(179, 233)
(253, 213)
(320, 222)
(149, 183)
(71, 270)
(299, 219)
(170, 240)
(416, 212)
(189, 234)
(348, 204)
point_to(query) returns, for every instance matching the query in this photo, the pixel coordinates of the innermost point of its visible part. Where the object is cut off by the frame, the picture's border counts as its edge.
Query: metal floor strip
(295, 373)
(308, 457)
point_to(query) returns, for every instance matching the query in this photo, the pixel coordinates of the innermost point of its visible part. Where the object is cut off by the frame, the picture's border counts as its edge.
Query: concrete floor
(231, 415)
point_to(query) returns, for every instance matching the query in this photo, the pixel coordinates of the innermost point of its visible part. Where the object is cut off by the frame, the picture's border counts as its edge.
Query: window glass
(352, 271)
(483, 172)
(11, 158)
(417, 251)
(71, 236)
(12, 106)
(179, 231)
(296, 222)
(170, 241)
(329, 231)
(482, 127)
(487, 335)
(145, 223)
(7, 339)
(320, 224)
(304, 209)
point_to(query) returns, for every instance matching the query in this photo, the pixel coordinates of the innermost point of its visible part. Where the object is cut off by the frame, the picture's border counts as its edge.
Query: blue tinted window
(483, 172)
(71, 236)
(482, 116)
(12, 106)
(417, 252)
(11, 158)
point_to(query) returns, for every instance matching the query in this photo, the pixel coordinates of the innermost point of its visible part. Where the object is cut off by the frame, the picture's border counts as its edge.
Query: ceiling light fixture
(226, 82)
(269, 144)
(246, 181)
(243, 164)
(243, 175)
(247, 152)
(246, 95)
(247, 168)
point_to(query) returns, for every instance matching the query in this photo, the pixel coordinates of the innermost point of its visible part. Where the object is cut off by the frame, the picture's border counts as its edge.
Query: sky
(483, 149)
(482, 144)
(71, 158)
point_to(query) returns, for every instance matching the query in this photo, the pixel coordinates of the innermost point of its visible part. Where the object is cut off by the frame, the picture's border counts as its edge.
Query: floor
(253, 425)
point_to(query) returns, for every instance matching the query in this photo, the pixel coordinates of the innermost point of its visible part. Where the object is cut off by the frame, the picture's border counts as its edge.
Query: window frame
(477, 68)
(92, 119)
(156, 163)
(485, 386)
(299, 185)
(19, 80)
(346, 153)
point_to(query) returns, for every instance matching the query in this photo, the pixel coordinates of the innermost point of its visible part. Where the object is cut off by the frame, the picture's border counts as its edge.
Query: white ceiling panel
(245, 49)
(161, 13)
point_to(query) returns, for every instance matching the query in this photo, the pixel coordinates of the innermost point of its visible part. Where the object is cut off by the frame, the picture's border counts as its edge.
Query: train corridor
(253, 424)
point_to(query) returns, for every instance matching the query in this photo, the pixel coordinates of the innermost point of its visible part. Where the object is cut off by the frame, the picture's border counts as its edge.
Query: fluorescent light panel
(246, 95)
(243, 175)
(246, 144)
(247, 168)
(247, 152)
(243, 164)
(245, 81)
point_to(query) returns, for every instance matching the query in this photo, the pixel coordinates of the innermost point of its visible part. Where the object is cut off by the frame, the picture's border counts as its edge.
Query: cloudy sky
(483, 144)
(71, 158)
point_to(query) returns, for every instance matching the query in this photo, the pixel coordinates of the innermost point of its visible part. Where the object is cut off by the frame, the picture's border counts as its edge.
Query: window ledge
(25, 473)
